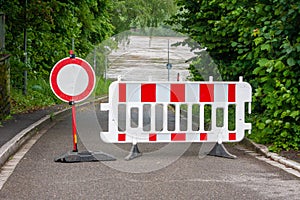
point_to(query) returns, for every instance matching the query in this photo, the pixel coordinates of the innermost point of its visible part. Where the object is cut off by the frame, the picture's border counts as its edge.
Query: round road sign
(72, 79)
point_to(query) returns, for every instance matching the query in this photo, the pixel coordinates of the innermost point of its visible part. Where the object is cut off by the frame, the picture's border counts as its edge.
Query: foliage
(53, 27)
(102, 86)
(50, 27)
(40, 96)
(259, 40)
(136, 13)
(42, 32)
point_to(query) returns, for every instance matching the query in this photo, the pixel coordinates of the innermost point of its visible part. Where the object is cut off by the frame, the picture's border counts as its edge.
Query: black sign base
(85, 156)
(220, 151)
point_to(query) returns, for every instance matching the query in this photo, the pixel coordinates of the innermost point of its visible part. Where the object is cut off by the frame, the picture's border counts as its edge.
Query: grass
(102, 86)
(39, 95)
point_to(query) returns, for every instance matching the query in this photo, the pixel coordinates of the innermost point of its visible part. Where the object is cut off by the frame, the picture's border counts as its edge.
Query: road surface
(37, 176)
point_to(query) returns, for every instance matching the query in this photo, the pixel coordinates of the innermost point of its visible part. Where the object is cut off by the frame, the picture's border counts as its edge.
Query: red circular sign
(72, 79)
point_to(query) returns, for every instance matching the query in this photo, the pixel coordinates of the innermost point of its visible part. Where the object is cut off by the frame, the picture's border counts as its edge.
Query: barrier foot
(220, 151)
(134, 153)
(85, 156)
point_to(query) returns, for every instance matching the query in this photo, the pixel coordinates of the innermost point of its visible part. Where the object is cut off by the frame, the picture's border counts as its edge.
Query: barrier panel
(141, 112)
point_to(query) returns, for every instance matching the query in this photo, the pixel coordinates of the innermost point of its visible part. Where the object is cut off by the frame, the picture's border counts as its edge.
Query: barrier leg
(134, 152)
(220, 151)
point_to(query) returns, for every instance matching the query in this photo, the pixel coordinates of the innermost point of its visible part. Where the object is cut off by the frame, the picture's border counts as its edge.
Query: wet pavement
(144, 57)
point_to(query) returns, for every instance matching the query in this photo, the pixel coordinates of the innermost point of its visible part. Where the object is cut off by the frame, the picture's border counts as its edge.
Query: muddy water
(145, 58)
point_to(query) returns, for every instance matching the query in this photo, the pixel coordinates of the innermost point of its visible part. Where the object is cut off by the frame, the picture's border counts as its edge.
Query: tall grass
(102, 86)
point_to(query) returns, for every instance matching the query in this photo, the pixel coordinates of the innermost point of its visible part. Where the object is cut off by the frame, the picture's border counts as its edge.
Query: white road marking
(9, 167)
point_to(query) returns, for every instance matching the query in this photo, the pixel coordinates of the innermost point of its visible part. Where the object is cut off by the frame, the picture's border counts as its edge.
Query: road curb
(263, 150)
(13, 145)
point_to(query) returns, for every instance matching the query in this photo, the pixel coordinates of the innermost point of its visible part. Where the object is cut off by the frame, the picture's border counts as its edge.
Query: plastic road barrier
(146, 108)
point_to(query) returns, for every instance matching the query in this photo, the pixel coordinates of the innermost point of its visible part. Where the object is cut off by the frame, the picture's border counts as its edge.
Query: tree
(136, 13)
(51, 27)
(259, 40)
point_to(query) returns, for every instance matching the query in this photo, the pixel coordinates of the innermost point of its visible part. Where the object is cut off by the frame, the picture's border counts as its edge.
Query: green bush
(39, 95)
(102, 86)
(259, 40)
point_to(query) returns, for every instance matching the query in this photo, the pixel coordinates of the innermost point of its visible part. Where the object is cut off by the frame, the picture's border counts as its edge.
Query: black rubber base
(85, 156)
(220, 151)
(134, 153)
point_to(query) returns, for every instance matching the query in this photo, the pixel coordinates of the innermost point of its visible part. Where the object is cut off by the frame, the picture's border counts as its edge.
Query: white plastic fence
(141, 112)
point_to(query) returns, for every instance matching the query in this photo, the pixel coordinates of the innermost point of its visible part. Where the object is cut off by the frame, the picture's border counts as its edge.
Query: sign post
(74, 127)
(72, 80)
(169, 65)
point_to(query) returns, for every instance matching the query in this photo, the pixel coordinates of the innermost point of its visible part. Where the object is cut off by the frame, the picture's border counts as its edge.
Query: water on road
(146, 57)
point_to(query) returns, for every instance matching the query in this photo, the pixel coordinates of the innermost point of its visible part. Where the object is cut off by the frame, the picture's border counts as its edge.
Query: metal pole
(95, 62)
(169, 65)
(25, 51)
(168, 51)
(168, 60)
(73, 45)
(25, 77)
(106, 53)
(2, 32)
(105, 67)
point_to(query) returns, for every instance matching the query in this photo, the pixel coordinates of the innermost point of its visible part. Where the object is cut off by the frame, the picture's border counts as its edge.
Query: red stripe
(177, 93)
(232, 136)
(231, 92)
(178, 137)
(206, 92)
(121, 137)
(63, 63)
(203, 136)
(122, 92)
(148, 92)
(152, 137)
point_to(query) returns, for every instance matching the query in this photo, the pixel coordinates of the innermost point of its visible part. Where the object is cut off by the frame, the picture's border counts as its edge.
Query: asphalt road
(159, 174)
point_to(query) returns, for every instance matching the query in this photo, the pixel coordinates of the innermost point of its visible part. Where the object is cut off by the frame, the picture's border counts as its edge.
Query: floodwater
(144, 58)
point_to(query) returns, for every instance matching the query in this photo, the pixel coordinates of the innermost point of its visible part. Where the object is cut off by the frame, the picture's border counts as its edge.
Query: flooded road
(143, 57)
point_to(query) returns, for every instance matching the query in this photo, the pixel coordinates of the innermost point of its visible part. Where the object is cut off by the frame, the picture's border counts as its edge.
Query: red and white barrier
(134, 97)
